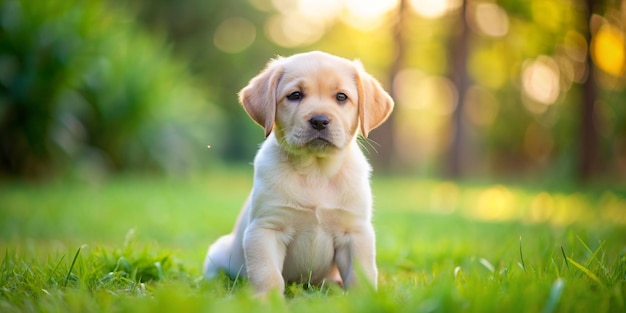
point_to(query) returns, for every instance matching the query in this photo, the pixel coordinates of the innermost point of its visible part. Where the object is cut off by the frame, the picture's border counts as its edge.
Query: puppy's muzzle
(320, 136)
(319, 122)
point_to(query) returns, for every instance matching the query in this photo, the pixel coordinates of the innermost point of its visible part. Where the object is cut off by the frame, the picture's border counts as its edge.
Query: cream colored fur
(308, 217)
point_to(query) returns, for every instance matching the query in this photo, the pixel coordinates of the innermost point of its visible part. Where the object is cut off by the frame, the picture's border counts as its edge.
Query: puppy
(308, 217)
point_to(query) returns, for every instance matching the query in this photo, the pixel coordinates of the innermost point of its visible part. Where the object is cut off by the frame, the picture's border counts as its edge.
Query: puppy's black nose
(319, 122)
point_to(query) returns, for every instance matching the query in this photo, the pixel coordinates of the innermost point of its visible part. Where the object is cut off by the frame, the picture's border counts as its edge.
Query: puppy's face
(315, 102)
(317, 108)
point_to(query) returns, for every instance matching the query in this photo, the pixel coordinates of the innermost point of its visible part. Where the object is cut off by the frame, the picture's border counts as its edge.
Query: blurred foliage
(526, 63)
(82, 82)
(191, 27)
(82, 86)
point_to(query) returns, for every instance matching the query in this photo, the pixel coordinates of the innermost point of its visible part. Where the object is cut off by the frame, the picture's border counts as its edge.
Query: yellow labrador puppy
(308, 217)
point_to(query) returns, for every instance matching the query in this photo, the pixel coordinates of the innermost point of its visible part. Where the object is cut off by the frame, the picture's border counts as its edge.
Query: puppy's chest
(315, 194)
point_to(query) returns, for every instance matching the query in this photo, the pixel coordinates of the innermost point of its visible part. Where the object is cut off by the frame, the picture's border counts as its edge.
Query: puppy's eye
(341, 97)
(294, 96)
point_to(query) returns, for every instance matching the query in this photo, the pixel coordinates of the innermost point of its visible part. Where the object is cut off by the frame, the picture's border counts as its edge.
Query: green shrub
(80, 84)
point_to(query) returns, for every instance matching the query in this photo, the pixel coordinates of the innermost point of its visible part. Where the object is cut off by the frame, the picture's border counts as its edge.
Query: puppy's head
(315, 102)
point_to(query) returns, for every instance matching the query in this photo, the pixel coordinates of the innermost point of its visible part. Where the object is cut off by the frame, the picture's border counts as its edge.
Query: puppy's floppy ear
(375, 104)
(259, 96)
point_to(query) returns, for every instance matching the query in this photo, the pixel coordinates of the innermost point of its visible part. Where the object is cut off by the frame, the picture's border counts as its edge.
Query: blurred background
(508, 89)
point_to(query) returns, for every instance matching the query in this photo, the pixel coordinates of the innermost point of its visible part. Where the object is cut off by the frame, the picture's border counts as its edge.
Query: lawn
(136, 243)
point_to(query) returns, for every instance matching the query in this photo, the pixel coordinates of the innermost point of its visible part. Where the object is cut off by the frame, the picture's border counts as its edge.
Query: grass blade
(592, 253)
(56, 268)
(521, 255)
(555, 295)
(587, 272)
(595, 253)
(565, 258)
(584, 245)
(5, 262)
(69, 272)
(459, 278)
(487, 265)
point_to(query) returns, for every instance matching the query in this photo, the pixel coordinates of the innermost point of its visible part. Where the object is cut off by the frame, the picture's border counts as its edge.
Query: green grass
(137, 243)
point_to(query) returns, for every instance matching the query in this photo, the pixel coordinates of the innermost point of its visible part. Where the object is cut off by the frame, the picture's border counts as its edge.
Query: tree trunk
(383, 152)
(458, 74)
(589, 133)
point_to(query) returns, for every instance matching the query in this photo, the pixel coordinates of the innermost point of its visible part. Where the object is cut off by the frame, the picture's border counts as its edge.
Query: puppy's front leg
(265, 254)
(357, 247)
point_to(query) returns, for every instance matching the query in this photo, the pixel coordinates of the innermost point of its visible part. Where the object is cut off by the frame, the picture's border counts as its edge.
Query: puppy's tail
(220, 258)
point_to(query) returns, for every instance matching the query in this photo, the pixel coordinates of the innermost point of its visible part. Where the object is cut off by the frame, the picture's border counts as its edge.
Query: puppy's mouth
(310, 141)
(319, 142)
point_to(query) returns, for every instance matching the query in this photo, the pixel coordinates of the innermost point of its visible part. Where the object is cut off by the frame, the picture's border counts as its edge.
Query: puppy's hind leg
(333, 276)
(222, 257)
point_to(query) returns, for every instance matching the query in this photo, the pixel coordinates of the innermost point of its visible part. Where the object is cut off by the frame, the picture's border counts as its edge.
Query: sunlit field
(136, 243)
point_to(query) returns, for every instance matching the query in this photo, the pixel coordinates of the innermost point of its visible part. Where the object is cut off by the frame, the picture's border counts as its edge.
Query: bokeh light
(540, 83)
(608, 50)
(434, 8)
(496, 203)
(300, 23)
(491, 20)
(425, 104)
(542, 207)
(614, 207)
(416, 90)
(303, 22)
(575, 46)
(404, 85)
(294, 30)
(234, 35)
(367, 14)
